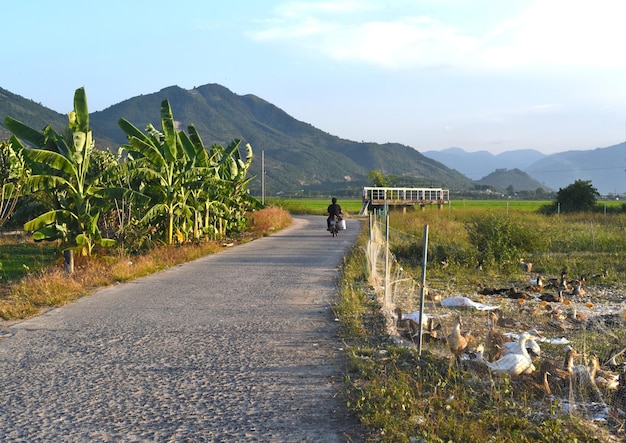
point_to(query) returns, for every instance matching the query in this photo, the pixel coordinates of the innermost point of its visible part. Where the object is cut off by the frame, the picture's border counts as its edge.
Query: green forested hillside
(501, 179)
(33, 114)
(298, 156)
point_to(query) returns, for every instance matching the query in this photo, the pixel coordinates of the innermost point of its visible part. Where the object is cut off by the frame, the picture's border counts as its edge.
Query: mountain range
(604, 167)
(299, 158)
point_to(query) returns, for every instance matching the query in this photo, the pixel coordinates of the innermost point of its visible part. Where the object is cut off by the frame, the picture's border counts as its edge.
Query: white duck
(516, 361)
(531, 345)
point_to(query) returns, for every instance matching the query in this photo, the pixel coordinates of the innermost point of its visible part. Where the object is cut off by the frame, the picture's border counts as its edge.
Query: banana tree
(234, 193)
(60, 165)
(13, 174)
(170, 167)
(206, 172)
(182, 178)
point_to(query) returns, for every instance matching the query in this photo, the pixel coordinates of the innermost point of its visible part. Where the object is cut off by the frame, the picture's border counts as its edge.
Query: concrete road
(237, 346)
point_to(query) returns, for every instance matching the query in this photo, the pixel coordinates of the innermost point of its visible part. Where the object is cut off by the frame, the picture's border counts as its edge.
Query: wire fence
(588, 386)
(396, 289)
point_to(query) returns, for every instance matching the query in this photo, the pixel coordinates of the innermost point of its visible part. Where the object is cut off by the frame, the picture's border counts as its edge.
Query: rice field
(353, 206)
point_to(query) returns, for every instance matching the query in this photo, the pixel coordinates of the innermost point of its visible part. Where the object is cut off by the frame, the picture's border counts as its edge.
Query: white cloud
(400, 41)
(299, 9)
(506, 115)
(406, 42)
(546, 33)
(560, 33)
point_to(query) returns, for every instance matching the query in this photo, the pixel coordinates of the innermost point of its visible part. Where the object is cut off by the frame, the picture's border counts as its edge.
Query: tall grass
(402, 397)
(459, 241)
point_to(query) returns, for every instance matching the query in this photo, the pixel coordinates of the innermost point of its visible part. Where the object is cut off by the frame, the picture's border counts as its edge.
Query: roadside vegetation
(163, 187)
(34, 279)
(98, 218)
(404, 397)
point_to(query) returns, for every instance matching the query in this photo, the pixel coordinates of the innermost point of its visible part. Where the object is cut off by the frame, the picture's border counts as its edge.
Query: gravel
(236, 346)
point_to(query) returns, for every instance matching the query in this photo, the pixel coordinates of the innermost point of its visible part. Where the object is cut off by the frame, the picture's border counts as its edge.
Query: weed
(268, 220)
(401, 396)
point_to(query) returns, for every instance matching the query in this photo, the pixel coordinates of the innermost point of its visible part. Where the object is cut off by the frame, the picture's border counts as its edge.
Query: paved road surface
(238, 346)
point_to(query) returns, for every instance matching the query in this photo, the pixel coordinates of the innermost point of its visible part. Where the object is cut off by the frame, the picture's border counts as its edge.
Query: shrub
(501, 239)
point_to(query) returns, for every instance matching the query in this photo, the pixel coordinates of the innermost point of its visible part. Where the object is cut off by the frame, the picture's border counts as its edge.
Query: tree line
(163, 186)
(580, 196)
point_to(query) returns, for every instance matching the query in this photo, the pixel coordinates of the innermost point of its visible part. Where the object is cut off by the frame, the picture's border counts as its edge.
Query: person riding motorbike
(333, 209)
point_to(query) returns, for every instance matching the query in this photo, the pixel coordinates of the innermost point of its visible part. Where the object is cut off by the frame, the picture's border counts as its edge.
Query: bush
(580, 196)
(501, 239)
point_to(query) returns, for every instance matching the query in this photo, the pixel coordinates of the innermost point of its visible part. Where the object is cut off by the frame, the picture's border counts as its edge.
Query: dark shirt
(334, 209)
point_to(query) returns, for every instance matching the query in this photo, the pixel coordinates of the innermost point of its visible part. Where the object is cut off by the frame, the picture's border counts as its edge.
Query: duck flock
(529, 334)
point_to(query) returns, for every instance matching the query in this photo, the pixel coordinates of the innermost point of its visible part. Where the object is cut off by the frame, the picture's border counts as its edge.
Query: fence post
(422, 295)
(68, 261)
(387, 271)
(371, 241)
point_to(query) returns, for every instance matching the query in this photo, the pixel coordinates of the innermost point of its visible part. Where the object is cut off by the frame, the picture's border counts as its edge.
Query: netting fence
(590, 387)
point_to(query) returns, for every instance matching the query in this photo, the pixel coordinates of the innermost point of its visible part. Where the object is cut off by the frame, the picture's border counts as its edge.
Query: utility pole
(263, 177)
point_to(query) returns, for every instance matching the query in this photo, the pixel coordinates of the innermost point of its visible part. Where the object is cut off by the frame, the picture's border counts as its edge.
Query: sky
(481, 75)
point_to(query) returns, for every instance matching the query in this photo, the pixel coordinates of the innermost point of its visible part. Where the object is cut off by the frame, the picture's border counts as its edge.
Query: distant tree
(378, 179)
(578, 197)
(540, 193)
(525, 194)
(484, 187)
(510, 190)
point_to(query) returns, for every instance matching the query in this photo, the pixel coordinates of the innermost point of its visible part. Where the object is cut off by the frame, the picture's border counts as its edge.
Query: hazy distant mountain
(478, 164)
(299, 156)
(604, 167)
(33, 114)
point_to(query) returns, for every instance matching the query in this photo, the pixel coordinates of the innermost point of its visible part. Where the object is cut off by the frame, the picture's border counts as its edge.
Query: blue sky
(489, 75)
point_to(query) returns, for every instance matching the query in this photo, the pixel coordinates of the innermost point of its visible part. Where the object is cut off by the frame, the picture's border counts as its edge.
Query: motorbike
(334, 228)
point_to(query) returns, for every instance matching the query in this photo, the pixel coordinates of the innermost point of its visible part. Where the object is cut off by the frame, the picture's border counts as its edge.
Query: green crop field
(314, 206)
(523, 205)
(353, 207)
(318, 206)
(19, 258)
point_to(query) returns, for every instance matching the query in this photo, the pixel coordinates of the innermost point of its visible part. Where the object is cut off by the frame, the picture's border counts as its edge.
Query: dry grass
(53, 287)
(269, 220)
(401, 396)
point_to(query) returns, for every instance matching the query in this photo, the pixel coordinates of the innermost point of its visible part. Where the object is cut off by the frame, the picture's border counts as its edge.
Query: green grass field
(520, 205)
(353, 207)
(19, 258)
(318, 207)
(314, 206)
